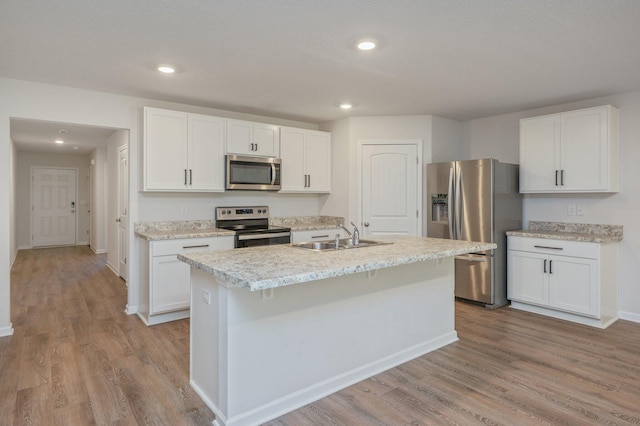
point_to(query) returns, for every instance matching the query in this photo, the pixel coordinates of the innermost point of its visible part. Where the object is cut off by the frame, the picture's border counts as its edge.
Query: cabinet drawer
(317, 235)
(555, 247)
(169, 247)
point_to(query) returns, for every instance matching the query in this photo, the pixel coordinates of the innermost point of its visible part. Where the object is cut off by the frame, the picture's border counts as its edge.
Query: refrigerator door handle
(458, 210)
(450, 205)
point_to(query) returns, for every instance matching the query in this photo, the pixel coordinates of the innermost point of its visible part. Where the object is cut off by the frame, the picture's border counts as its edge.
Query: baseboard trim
(6, 331)
(629, 316)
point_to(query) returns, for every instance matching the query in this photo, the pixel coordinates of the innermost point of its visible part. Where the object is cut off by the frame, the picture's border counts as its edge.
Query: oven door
(266, 239)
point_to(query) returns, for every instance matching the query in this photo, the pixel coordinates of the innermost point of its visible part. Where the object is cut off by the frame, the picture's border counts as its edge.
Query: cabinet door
(526, 277)
(318, 161)
(248, 138)
(573, 285)
(292, 153)
(206, 153)
(540, 154)
(165, 149)
(585, 150)
(266, 138)
(171, 288)
(240, 137)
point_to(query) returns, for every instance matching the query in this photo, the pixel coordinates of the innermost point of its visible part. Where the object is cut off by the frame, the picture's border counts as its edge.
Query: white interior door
(53, 207)
(123, 210)
(390, 190)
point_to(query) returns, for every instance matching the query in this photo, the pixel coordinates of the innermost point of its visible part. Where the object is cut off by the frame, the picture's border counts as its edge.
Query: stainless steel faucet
(355, 236)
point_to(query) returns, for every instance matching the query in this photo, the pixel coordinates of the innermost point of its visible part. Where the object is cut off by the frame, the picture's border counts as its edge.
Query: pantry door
(390, 188)
(53, 207)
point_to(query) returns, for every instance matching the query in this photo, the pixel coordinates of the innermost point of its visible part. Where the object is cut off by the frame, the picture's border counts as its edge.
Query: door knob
(366, 224)
(118, 220)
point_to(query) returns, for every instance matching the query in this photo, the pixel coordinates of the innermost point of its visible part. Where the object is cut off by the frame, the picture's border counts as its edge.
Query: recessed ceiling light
(59, 141)
(367, 44)
(75, 147)
(346, 106)
(166, 69)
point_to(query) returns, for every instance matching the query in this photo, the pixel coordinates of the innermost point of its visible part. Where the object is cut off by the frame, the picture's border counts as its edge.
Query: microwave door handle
(273, 174)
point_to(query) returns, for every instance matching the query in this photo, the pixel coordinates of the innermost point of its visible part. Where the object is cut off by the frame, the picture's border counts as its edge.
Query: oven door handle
(263, 236)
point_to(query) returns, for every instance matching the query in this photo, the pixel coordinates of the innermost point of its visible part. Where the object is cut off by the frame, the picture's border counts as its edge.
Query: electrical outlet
(581, 211)
(206, 296)
(183, 208)
(571, 210)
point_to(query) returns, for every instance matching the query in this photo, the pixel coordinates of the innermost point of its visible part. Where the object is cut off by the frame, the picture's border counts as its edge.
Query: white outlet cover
(206, 296)
(571, 210)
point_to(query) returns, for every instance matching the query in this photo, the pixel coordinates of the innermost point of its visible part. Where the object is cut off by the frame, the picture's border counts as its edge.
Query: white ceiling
(296, 59)
(39, 136)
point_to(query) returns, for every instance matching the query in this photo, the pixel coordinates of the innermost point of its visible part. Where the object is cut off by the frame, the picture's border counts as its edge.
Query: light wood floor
(76, 359)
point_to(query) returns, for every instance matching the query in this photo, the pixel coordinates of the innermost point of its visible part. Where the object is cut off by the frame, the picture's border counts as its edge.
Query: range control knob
(228, 211)
(223, 212)
(259, 211)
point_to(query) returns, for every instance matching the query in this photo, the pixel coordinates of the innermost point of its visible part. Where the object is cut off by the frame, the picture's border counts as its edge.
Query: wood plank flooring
(76, 359)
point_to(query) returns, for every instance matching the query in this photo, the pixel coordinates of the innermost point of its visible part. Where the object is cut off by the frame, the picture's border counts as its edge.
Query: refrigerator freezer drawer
(474, 278)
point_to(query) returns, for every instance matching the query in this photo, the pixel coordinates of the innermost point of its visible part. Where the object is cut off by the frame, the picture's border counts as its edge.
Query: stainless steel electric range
(251, 226)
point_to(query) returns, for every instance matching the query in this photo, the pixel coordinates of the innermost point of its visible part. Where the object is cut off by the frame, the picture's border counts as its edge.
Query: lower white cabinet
(571, 280)
(164, 284)
(316, 235)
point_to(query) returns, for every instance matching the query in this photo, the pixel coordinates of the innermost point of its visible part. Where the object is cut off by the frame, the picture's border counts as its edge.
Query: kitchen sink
(344, 244)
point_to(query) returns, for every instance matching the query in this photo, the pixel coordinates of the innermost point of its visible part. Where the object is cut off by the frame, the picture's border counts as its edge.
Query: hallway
(77, 359)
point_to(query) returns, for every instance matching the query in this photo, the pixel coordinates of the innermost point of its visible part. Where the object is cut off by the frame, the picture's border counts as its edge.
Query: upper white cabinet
(575, 151)
(306, 160)
(183, 152)
(249, 138)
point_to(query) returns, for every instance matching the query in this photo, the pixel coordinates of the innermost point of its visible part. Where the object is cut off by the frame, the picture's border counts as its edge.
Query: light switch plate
(206, 296)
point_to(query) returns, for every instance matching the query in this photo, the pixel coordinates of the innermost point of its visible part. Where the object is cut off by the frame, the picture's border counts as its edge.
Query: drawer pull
(549, 247)
(545, 266)
(320, 236)
(200, 246)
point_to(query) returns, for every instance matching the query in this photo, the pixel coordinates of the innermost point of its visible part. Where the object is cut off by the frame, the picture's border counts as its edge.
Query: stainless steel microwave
(253, 173)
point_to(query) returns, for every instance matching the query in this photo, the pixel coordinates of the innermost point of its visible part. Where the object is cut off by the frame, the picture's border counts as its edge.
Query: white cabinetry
(249, 138)
(572, 151)
(164, 284)
(316, 235)
(183, 152)
(306, 160)
(570, 280)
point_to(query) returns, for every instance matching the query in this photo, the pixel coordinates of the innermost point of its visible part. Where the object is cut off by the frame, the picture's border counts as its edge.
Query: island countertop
(262, 268)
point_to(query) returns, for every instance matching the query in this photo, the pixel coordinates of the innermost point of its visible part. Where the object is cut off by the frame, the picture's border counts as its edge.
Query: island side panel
(283, 348)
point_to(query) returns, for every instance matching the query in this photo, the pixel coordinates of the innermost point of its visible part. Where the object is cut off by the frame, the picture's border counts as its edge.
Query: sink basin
(345, 243)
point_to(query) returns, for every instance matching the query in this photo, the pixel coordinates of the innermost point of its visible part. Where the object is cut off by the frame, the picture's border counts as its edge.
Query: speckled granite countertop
(173, 230)
(307, 223)
(583, 232)
(261, 268)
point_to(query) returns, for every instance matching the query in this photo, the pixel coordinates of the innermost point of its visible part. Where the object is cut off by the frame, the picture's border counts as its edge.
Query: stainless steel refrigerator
(475, 200)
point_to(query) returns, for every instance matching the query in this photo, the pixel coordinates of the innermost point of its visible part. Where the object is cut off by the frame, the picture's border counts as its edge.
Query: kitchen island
(274, 328)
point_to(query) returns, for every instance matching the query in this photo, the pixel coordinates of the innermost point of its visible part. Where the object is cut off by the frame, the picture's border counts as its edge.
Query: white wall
(26, 100)
(498, 137)
(99, 188)
(446, 139)
(27, 160)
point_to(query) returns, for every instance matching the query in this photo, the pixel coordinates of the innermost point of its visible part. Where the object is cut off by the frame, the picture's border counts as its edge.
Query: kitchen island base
(256, 355)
